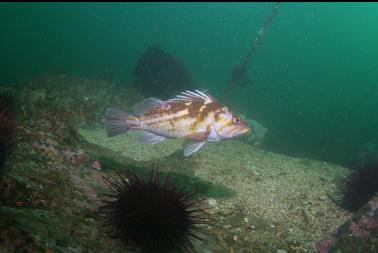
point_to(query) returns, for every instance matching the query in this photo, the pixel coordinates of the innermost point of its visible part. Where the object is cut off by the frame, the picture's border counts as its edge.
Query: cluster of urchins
(152, 214)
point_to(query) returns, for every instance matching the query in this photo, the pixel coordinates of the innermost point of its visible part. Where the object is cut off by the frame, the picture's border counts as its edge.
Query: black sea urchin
(160, 74)
(153, 214)
(7, 125)
(360, 183)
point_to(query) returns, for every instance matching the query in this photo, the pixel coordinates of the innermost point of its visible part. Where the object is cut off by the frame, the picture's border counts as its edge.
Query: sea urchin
(7, 125)
(152, 214)
(360, 183)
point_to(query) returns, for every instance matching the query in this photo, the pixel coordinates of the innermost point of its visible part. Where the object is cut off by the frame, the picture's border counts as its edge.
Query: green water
(313, 77)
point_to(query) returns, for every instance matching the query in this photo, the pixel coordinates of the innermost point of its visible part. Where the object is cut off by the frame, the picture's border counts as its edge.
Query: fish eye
(237, 120)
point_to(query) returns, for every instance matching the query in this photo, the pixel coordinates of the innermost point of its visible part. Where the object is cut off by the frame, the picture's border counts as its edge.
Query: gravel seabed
(285, 196)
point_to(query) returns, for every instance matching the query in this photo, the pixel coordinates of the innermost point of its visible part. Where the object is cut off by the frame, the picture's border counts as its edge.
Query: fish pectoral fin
(148, 104)
(150, 138)
(192, 148)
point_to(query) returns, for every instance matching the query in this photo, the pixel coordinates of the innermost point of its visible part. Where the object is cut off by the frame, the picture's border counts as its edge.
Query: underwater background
(313, 78)
(304, 77)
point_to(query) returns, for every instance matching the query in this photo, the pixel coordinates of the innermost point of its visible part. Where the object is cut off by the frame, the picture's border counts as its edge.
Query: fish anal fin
(150, 138)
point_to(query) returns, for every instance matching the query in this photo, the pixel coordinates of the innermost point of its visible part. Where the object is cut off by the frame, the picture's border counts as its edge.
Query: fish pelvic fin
(193, 147)
(119, 122)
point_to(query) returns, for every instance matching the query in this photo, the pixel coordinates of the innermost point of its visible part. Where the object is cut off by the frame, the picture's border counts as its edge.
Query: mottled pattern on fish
(192, 115)
(182, 119)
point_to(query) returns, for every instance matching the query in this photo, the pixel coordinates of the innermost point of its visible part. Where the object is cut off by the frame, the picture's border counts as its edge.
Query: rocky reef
(53, 185)
(358, 234)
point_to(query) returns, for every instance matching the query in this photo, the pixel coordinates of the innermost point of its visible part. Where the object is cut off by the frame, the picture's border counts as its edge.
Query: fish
(192, 115)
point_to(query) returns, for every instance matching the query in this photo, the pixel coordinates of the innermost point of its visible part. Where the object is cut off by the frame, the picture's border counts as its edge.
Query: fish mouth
(246, 130)
(236, 131)
(243, 130)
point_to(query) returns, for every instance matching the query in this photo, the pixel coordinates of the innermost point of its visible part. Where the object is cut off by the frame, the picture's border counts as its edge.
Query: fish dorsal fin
(189, 96)
(148, 104)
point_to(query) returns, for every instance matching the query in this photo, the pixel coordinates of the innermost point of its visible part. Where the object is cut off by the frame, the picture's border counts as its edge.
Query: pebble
(227, 212)
(212, 203)
(281, 251)
(252, 167)
(319, 214)
(236, 230)
(206, 251)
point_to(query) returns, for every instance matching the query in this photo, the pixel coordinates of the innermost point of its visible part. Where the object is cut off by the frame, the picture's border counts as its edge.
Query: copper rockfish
(193, 115)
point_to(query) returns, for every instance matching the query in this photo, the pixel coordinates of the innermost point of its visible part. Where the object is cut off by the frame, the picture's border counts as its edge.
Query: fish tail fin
(119, 122)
